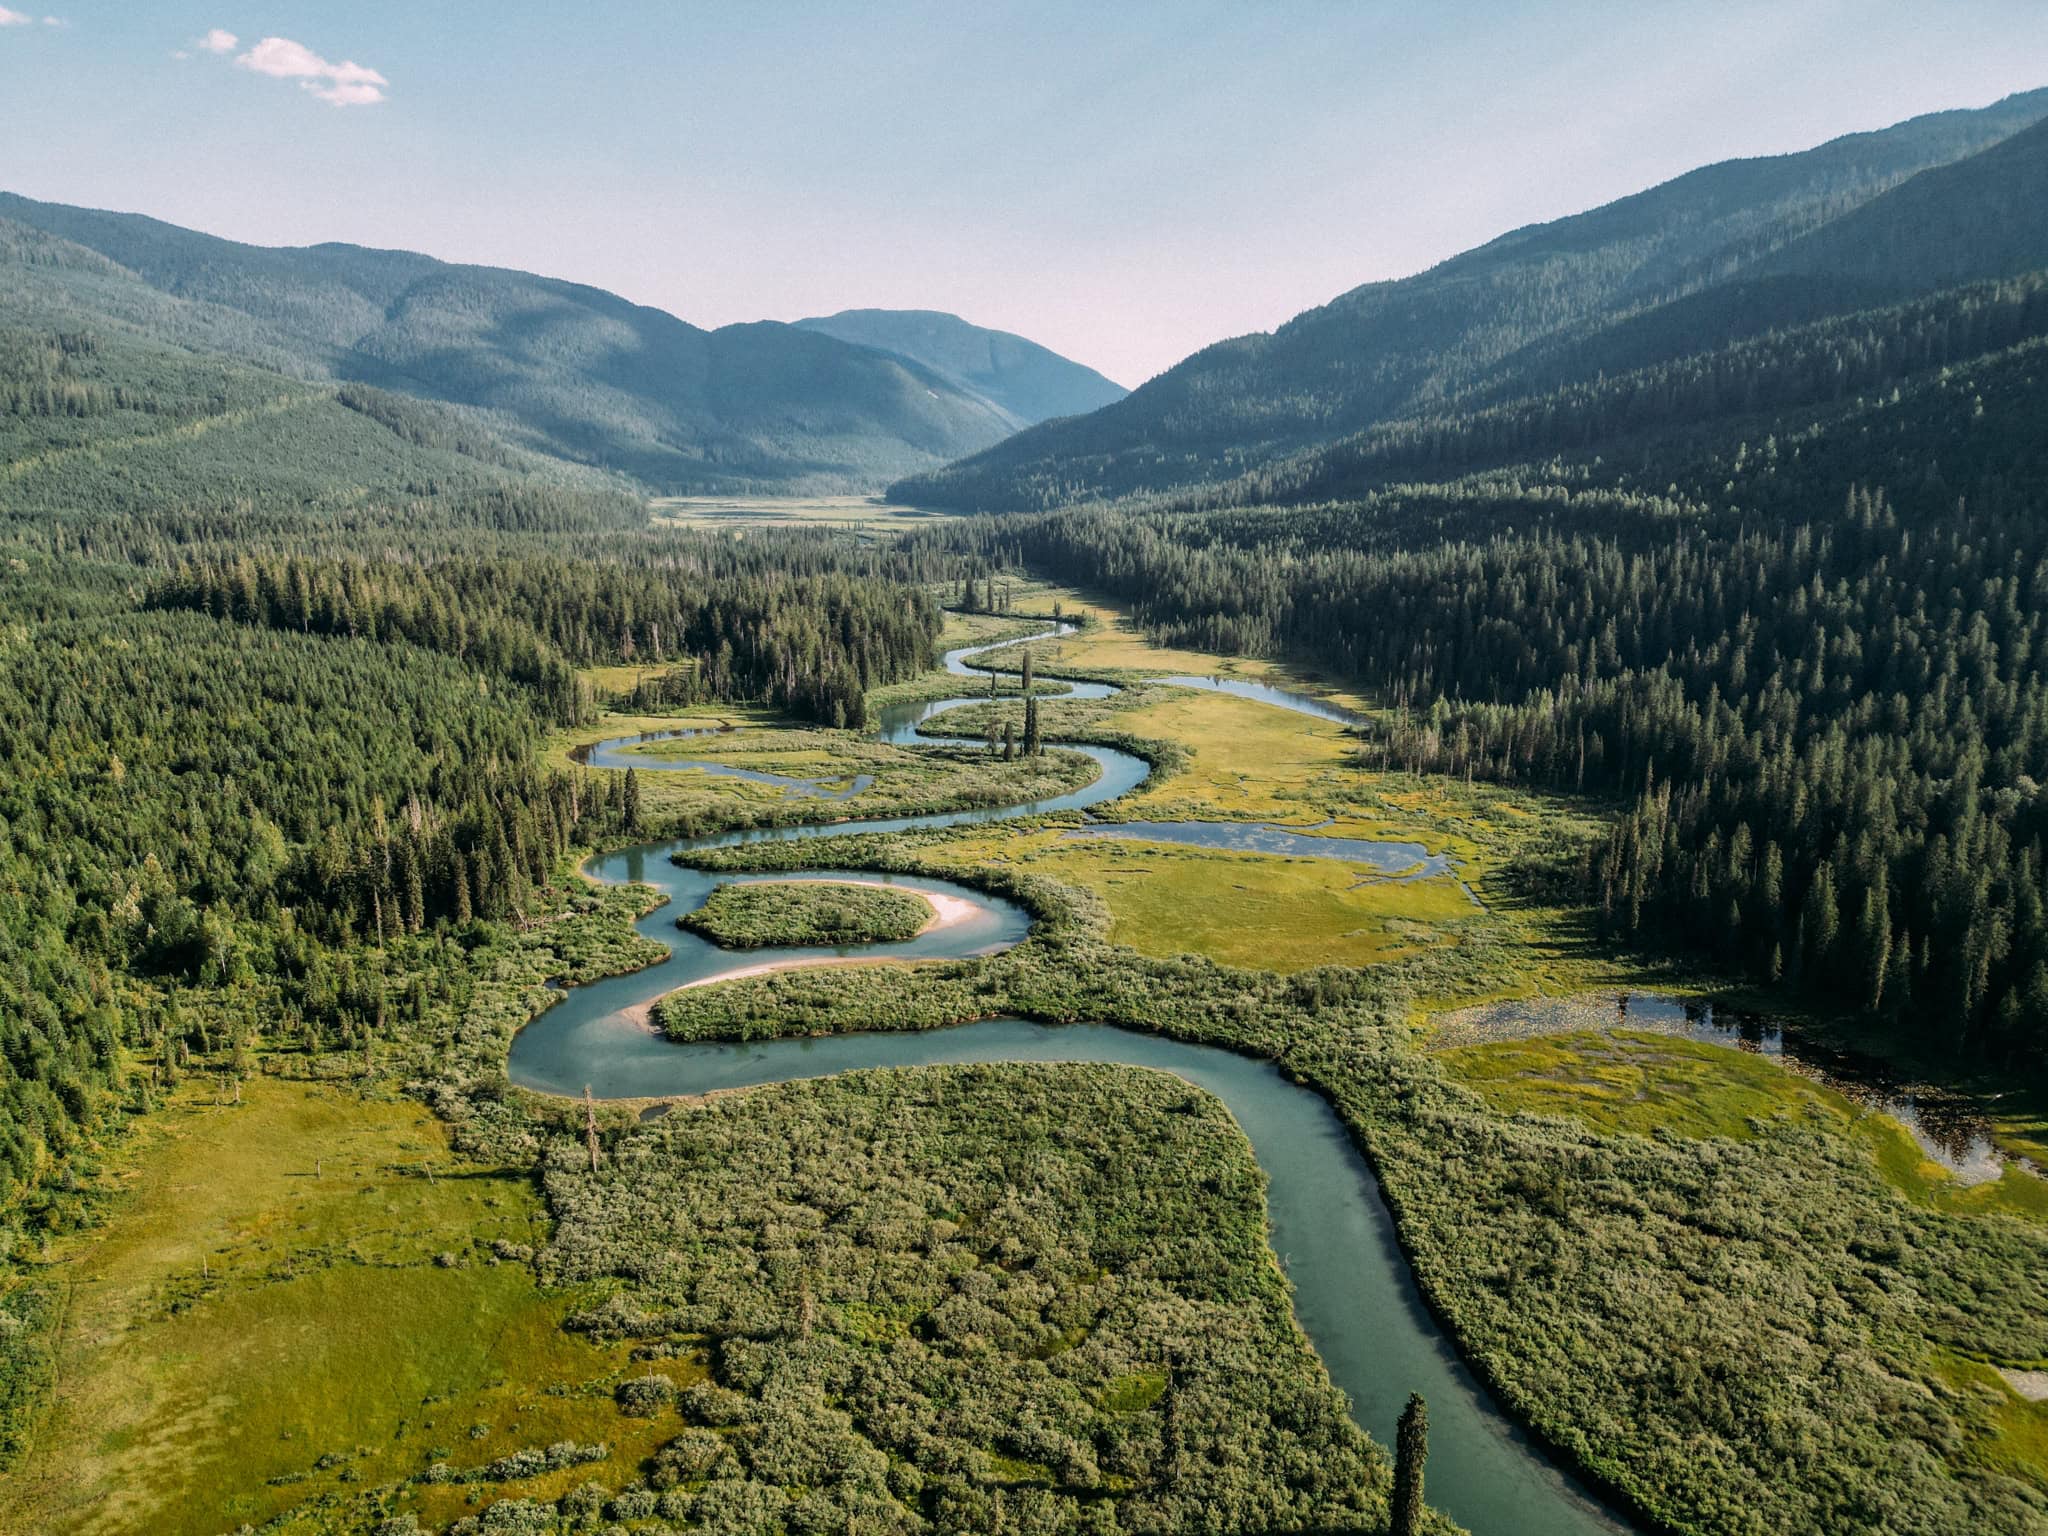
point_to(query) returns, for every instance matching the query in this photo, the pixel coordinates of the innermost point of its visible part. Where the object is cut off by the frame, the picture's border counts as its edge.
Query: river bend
(1353, 1292)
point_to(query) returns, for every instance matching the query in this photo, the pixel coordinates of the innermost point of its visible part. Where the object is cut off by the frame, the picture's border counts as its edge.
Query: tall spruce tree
(1411, 1450)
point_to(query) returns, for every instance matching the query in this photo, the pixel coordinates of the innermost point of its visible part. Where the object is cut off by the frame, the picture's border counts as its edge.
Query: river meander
(1353, 1292)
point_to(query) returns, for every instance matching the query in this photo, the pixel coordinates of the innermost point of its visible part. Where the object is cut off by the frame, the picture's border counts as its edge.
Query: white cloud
(217, 41)
(15, 18)
(356, 93)
(347, 84)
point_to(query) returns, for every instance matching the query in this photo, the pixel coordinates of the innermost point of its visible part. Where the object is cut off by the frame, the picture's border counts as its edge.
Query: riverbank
(1478, 1195)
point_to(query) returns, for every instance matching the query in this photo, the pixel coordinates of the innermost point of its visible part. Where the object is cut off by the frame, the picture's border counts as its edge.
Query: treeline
(185, 804)
(811, 644)
(1824, 363)
(1827, 705)
(427, 522)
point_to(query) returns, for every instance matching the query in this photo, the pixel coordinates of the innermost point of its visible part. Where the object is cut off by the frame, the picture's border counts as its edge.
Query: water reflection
(1948, 1130)
(612, 753)
(1406, 861)
(1266, 693)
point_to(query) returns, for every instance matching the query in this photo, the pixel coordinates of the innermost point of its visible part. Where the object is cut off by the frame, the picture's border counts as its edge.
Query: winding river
(1353, 1292)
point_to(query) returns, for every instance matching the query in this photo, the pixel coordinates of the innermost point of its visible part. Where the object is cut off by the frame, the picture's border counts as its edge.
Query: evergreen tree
(1411, 1450)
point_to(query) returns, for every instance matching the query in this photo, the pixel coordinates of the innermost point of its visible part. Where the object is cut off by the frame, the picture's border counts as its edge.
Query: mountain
(1983, 217)
(1026, 382)
(565, 369)
(1720, 253)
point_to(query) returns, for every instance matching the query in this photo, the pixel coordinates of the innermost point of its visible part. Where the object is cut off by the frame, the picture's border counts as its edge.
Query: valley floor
(1738, 1298)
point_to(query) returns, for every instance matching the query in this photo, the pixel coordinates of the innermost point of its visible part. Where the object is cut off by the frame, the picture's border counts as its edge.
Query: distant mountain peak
(1028, 383)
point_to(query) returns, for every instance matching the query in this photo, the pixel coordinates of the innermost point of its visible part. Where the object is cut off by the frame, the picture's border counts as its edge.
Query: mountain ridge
(568, 368)
(1388, 350)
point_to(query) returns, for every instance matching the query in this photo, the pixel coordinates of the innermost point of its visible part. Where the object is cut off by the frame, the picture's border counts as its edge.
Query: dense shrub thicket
(752, 916)
(967, 1299)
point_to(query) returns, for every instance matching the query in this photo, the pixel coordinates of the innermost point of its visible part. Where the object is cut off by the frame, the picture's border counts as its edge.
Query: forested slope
(1811, 660)
(1730, 250)
(1646, 416)
(568, 370)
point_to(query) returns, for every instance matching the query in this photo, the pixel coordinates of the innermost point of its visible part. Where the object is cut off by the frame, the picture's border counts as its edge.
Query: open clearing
(299, 1294)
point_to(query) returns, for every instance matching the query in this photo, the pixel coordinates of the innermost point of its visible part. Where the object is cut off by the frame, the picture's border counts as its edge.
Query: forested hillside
(125, 446)
(1645, 416)
(1811, 661)
(1985, 216)
(275, 657)
(567, 370)
(1723, 253)
(1027, 382)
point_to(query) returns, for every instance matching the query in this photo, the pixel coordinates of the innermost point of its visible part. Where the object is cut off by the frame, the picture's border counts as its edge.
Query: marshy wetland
(1417, 1175)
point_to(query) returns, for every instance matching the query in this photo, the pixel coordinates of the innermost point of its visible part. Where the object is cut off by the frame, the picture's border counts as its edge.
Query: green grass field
(1629, 1081)
(1242, 909)
(299, 1295)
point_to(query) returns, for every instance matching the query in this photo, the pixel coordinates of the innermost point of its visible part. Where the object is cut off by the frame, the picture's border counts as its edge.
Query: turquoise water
(1410, 861)
(1354, 1295)
(1267, 693)
(1352, 1291)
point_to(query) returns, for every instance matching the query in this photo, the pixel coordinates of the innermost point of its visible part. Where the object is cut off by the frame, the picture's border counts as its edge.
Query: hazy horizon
(704, 164)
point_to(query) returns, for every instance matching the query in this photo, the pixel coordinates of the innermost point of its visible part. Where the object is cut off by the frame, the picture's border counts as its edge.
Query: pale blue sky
(1122, 182)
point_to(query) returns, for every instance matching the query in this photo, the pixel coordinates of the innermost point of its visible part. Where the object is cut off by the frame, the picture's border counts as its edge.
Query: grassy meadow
(301, 1293)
